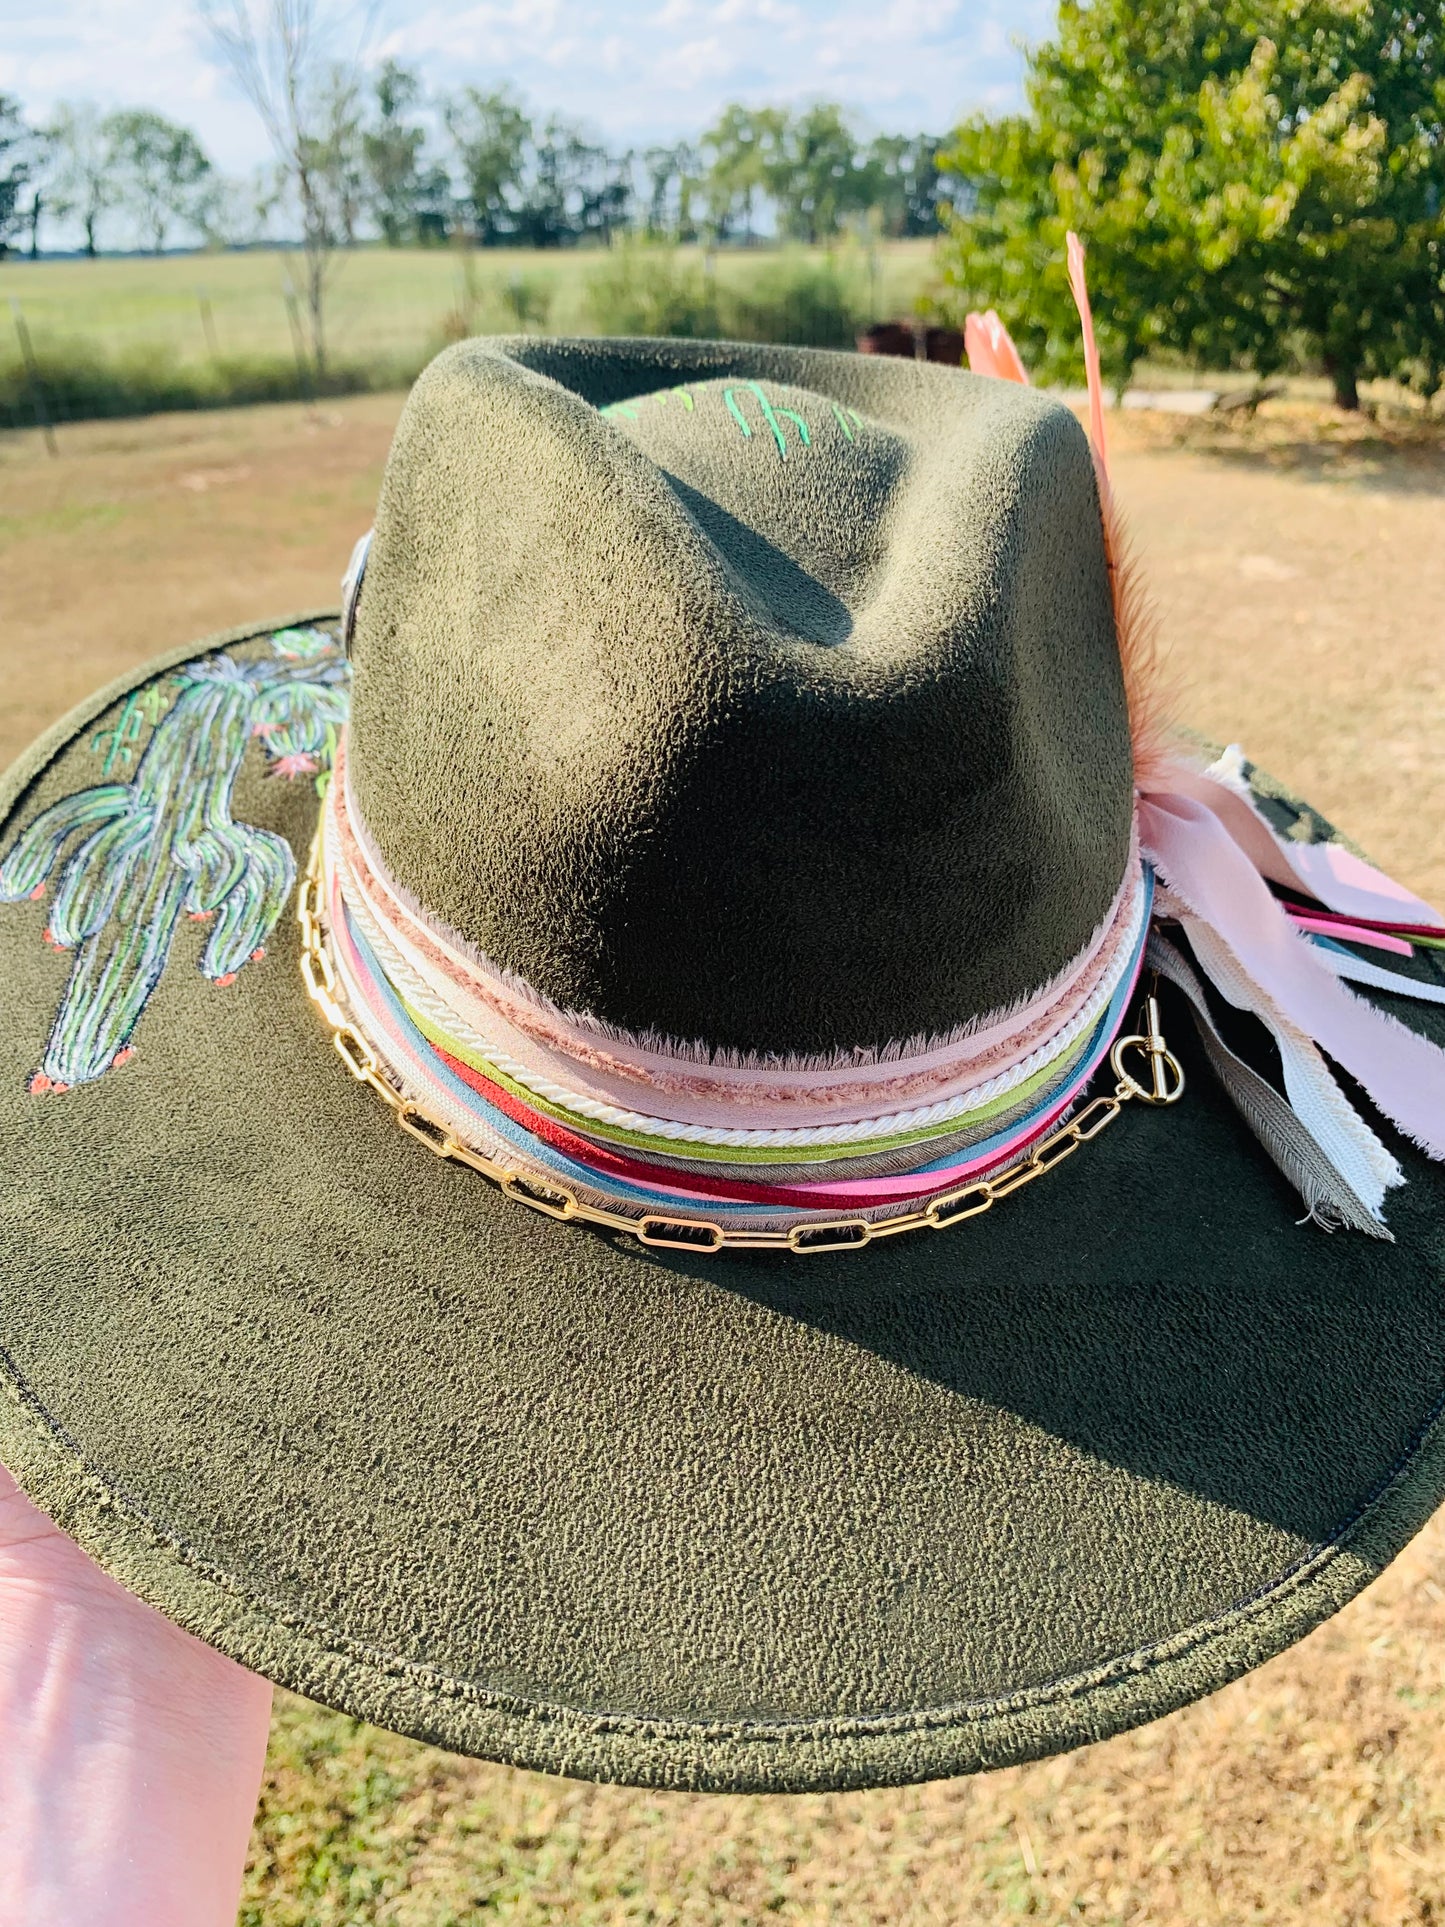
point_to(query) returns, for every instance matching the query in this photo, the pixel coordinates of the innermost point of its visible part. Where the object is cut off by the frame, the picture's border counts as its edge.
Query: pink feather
(990, 349)
(1135, 618)
(1079, 288)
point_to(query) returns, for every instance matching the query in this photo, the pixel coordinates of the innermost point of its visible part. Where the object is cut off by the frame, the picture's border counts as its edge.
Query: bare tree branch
(283, 55)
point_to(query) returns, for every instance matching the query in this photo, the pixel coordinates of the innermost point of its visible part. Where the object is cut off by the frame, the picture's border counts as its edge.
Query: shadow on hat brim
(530, 1492)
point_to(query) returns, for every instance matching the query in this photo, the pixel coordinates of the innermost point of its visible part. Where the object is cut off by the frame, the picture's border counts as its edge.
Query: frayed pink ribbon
(1217, 856)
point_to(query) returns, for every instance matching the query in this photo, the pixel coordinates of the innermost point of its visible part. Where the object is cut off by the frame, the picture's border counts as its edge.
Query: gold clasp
(1166, 1076)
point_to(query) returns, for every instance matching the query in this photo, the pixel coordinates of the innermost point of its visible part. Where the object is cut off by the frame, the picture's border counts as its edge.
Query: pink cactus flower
(294, 765)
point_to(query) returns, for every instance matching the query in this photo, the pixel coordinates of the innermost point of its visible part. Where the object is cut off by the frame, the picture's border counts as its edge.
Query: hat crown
(767, 698)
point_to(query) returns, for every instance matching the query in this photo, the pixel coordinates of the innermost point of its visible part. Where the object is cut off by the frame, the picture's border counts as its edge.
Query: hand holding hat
(131, 1754)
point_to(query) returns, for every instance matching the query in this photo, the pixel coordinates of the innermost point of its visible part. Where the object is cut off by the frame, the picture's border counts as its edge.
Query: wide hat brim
(530, 1491)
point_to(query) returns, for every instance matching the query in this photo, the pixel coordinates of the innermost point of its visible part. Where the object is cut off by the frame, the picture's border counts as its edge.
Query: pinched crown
(768, 698)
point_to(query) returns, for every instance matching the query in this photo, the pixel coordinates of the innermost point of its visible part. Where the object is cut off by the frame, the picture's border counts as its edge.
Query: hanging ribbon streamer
(1282, 958)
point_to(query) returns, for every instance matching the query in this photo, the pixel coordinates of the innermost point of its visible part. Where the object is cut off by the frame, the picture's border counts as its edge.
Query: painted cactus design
(165, 844)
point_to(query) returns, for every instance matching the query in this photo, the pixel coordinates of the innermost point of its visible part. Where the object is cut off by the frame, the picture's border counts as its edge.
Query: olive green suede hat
(836, 1309)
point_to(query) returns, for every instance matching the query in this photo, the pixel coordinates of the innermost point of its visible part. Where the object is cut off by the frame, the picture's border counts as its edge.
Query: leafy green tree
(903, 183)
(335, 155)
(391, 153)
(574, 188)
(672, 180)
(84, 184)
(489, 135)
(1253, 181)
(237, 211)
(434, 208)
(17, 161)
(160, 170)
(736, 152)
(815, 173)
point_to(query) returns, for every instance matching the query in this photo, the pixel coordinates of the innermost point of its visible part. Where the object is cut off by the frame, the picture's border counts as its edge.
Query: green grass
(127, 336)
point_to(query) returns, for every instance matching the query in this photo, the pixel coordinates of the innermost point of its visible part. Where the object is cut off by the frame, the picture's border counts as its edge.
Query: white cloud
(635, 69)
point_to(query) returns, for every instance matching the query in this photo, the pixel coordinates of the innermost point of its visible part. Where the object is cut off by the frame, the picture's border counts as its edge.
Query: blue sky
(635, 72)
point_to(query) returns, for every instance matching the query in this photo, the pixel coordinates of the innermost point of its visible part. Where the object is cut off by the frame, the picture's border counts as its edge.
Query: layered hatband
(642, 1126)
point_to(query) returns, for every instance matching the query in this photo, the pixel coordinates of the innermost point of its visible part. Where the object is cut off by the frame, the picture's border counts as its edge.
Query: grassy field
(1300, 574)
(390, 308)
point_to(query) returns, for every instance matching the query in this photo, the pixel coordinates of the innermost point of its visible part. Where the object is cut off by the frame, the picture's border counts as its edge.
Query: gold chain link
(1166, 1083)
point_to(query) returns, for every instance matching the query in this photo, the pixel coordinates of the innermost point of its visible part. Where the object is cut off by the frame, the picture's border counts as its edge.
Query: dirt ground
(1299, 569)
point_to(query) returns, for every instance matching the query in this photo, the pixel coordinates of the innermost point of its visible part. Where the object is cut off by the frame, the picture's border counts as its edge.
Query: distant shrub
(527, 300)
(79, 382)
(641, 289)
(807, 304)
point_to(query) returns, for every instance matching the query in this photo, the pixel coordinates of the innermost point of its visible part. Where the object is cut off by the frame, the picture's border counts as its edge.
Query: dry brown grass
(1301, 575)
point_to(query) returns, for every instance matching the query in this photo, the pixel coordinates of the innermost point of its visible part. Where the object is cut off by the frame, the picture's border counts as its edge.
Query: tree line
(380, 157)
(1260, 183)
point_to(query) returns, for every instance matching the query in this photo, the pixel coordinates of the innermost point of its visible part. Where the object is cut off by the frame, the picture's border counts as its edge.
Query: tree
(281, 55)
(736, 154)
(84, 184)
(815, 174)
(160, 170)
(903, 183)
(1252, 180)
(237, 211)
(17, 158)
(391, 149)
(39, 167)
(434, 208)
(337, 154)
(672, 186)
(574, 189)
(489, 135)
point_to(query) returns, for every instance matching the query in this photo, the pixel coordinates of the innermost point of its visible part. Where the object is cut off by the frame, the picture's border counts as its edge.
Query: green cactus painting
(164, 845)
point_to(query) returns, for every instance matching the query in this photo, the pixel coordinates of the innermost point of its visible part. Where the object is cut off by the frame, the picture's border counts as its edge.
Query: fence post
(208, 323)
(32, 376)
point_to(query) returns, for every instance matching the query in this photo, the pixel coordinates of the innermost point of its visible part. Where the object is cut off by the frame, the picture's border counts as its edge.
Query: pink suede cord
(1347, 932)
